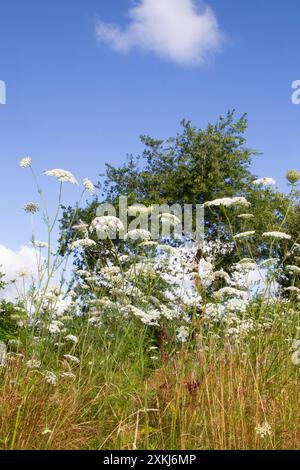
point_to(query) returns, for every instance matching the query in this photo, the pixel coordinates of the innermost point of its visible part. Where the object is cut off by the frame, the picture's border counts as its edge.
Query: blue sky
(75, 103)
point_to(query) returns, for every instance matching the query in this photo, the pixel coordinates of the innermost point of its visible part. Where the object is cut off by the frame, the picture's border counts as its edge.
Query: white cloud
(182, 31)
(13, 261)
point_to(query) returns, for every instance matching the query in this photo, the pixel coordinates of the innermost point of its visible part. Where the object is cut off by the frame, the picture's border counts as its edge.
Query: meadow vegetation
(138, 343)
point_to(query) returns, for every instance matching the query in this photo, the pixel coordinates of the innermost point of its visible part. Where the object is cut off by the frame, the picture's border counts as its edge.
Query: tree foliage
(195, 166)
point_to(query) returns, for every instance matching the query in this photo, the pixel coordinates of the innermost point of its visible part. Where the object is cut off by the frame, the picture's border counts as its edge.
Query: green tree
(196, 166)
(8, 328)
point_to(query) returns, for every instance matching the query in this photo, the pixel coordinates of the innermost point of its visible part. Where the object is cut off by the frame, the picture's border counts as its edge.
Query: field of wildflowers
(154, 344)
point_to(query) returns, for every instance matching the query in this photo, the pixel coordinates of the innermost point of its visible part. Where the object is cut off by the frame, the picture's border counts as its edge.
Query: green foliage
(196, 166)
(8, 328)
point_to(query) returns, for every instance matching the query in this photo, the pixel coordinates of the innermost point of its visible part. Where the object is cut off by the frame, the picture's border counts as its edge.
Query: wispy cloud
(183, 31)
(13, 261)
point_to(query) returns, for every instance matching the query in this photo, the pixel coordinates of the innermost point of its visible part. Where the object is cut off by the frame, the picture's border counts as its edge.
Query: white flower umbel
(68, 375)
(263, 430)
(292, 289)
(229, 292)
(89, 186)
(51, 378)
(71, 358)
(33, 364)
(81, 227)
(246, 266)
(167, 218)
(221, 274)
(3, 353)
(148, 318)
(31, 208)
(25, 162)
(293, 176)
(182, 334)
(244, 235)
(228, 202)
(264, 182)
(46, 431)
(72, 338)
(246, 216)
(270, 262)
(149, 244)
(84, 243)
(138, 209)
(39, 244)
(296, 344)
(63, 176)
(106, 226)
(138, 234)
(205, 270)
(55, 327)
(293, 269)
(296, 358)
(277, 235)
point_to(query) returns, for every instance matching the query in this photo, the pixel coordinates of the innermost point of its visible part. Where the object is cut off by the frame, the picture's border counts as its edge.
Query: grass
(116, 364)
(211, 394)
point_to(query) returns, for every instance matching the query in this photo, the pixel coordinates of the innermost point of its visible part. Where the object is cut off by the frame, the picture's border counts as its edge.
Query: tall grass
(210, 396)
(107, 374)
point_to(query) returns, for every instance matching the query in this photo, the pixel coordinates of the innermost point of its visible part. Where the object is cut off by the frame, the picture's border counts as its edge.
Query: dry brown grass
(29, 406)
(214, 400)
(211, 397)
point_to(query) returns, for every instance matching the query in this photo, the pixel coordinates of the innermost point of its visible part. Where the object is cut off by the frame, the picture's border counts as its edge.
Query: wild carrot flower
(167, 218)
(72, 338)
(293, 176)
(269, 262)
(229, 292)
(293, 269)
(148, 318)
(246, 216)
(221, 274)
(31, 208)
(25, 162)
(228, 202)
(263, 430)
(84, 243)
(264, 182)
(68, 375)
(140, 209)
(182, 334)
(51, 378)
(39, 244)
(89, 186)
(277, 235)
(205, 269)
(250, 266)
(23, 273)
(292, 289)
(138, 234)
(110, 270)
(63, 176)
(106, 226)
(81, 227)
(72, 358)
(149, 244)
(296, 344)
(3, 353)
(33, 364)
(296, 358)
(55, 327)
(244, 235)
